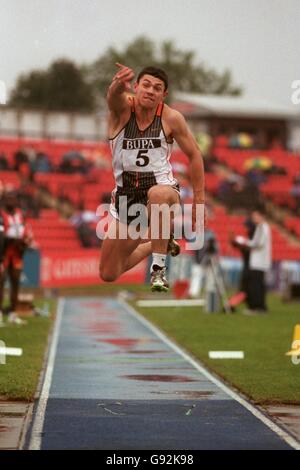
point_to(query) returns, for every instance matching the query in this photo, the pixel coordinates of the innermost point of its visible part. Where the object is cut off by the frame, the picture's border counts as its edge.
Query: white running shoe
(14, 319)
(159, 281)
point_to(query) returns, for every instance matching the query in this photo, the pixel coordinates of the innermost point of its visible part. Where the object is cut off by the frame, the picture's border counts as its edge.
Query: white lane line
(11, 351)
(171, 303)
(235, 396)
(36, 435)
(226, 354)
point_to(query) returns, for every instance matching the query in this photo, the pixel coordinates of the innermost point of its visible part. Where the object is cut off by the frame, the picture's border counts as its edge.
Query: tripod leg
(220, 285)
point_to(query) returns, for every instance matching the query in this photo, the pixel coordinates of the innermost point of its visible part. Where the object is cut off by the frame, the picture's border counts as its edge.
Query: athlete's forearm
(116, 88)
(116, 95)
(197, 176)
(120, 85)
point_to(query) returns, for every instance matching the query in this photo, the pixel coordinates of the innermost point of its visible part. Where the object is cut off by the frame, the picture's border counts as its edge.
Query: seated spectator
(84, 222)
(3, 162)
(256, 176)
(74, 162)
(42, 163)
(30, 202)
(20, 157)
(276, 170)
(237, 193)
(227, 184)
(295, 192)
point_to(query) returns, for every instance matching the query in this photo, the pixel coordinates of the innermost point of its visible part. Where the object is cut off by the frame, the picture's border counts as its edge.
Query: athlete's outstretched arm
(188, 145)
(117, 95)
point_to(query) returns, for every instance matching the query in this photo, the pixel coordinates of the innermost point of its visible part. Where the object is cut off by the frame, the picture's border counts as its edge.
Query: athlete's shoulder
(173, 117)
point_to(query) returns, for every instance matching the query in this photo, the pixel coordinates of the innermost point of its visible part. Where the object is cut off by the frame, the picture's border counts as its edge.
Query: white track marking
(11, 351)
(36, 434)
(171, 303)
(226, 354)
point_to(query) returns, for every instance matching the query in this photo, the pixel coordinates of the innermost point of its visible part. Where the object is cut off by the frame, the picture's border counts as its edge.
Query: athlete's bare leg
(120, 255)
(140, 253)
(160, 194)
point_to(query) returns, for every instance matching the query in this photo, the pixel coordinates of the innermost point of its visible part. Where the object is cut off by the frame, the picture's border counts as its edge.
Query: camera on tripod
(211, 246)
(214, 284)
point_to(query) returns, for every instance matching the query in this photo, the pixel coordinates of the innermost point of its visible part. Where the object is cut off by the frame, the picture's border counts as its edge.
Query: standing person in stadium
(17, 237)
(141, 131)
(260, 262)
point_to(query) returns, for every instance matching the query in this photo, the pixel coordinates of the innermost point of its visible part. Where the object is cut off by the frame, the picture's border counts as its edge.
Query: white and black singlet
(140, 160)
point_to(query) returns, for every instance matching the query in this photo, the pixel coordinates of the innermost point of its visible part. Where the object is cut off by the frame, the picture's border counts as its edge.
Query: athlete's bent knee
(160, 194)
(107, 276)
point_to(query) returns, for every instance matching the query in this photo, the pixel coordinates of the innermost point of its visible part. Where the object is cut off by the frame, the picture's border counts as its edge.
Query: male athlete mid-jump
(141, 132)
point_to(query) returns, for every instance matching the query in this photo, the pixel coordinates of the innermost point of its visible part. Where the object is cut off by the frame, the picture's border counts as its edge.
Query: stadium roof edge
(192, 104)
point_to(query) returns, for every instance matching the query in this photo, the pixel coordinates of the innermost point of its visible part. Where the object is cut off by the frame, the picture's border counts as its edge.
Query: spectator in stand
(1, 192)
(30, 202)
(20, 157)
(23, 162)
(295, 192)
(84, 222)
(260, 262)
(276, 170)
(236, 193)
(74, 162)
(17, 238)
(256, 176)
(3, 162)
(41, 164)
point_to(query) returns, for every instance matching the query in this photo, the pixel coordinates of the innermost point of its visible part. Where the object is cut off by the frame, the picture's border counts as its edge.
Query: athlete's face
(150, 91)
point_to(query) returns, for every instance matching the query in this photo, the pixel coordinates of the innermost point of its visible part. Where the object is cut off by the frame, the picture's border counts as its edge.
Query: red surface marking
(102, 327)
(160, 378)
(93, 304)
(125, 342)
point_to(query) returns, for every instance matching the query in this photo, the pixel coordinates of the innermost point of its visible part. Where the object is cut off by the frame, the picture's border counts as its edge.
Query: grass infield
(19, 376)
(266, 375)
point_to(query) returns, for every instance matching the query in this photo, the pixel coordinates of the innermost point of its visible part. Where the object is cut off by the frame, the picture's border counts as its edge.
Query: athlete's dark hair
(155, 72)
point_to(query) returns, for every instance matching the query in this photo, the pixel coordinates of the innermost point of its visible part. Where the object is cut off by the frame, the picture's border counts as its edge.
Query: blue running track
(113, 382)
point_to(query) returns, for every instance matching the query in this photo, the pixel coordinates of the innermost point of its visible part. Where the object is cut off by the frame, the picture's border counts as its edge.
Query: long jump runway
(113, 381)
